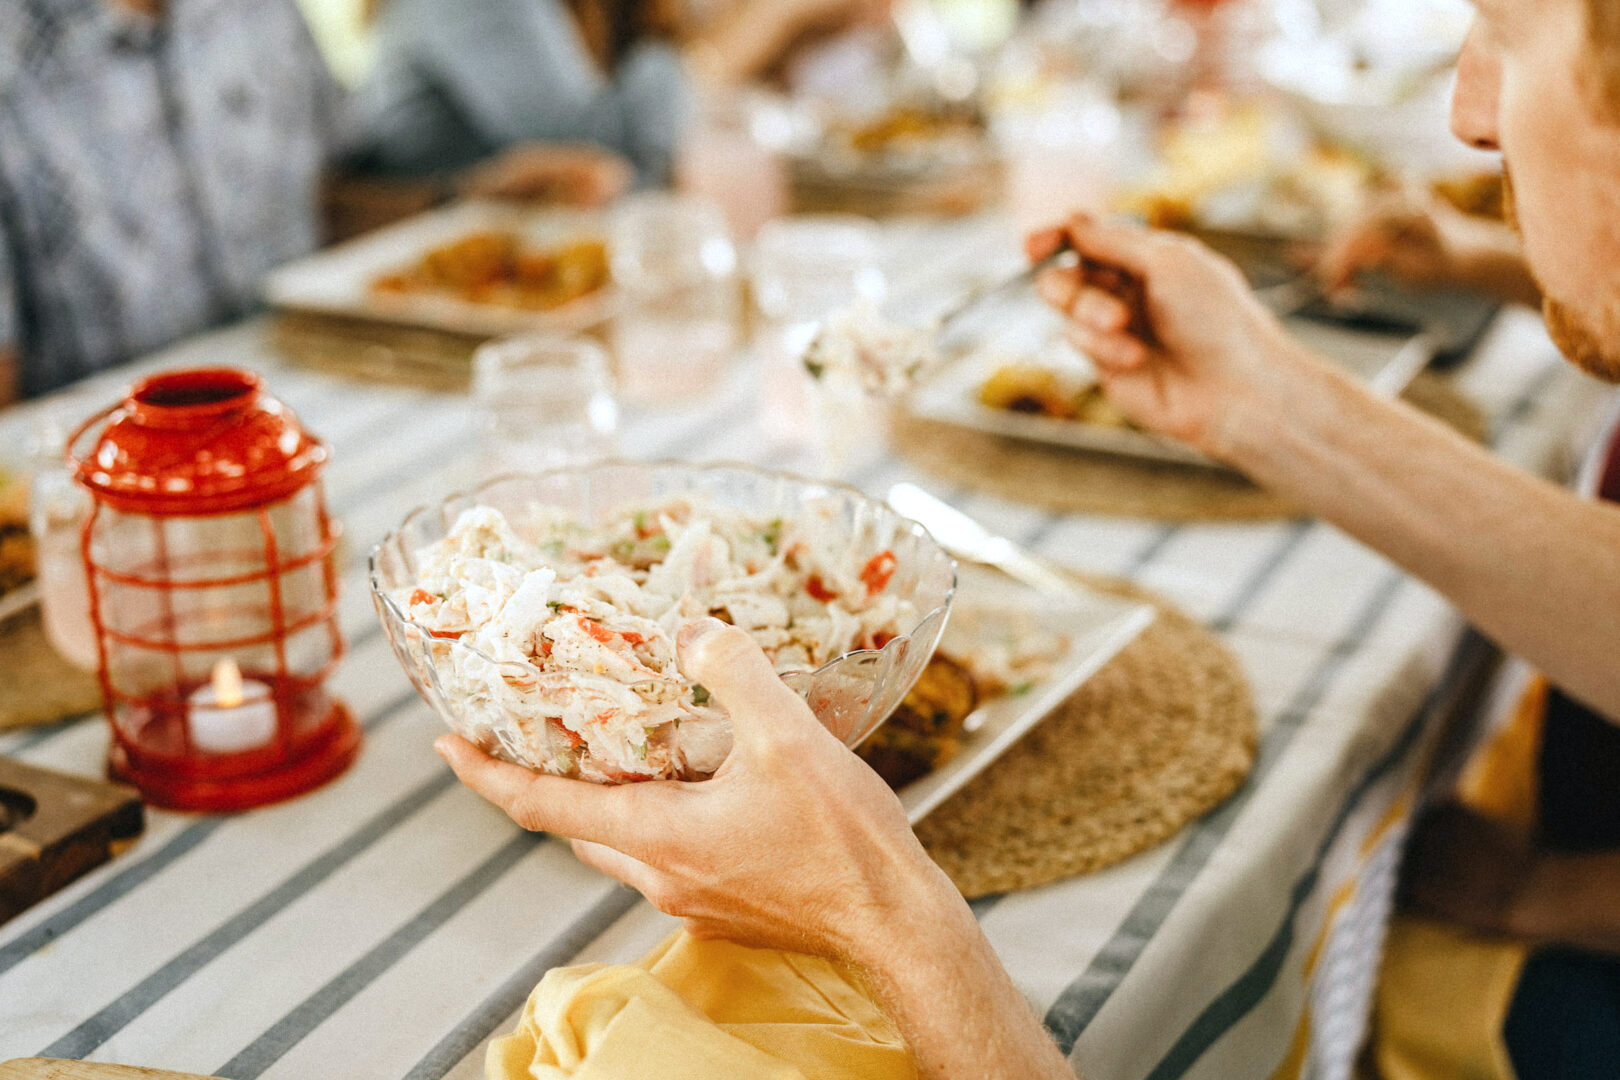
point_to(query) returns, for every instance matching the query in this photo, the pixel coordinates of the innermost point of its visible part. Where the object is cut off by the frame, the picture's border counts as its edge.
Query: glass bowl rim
(915, 528)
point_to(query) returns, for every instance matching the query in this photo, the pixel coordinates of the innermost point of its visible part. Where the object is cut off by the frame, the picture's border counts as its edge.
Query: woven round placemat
(54, 689)
(1159, 736)
(1088, 483)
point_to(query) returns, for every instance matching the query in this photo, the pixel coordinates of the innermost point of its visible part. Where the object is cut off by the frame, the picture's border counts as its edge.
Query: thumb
(739, 676)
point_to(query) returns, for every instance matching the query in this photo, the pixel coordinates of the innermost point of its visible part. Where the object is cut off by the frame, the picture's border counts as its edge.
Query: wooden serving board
(56, 1069)
(54, 828)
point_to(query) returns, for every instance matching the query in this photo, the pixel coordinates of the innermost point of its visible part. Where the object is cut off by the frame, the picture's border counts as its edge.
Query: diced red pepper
(545, 648)
(878, 570)
(452, 634)
(881, 638)
(422, 596)
(596, 630)
(632, 638)
(818, 590)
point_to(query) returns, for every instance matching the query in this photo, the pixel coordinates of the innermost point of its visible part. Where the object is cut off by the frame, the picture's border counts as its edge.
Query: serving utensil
(966, 539)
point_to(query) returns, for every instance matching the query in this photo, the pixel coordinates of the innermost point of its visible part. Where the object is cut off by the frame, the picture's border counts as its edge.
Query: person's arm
(795, 844)
(754, 35)
(1466, 869)
(1533, 566)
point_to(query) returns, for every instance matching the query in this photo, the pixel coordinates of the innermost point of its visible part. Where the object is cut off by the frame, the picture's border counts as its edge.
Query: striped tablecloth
(388, 924)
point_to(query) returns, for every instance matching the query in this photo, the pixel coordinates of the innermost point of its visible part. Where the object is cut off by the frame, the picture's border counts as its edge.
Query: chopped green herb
(700, 695)
(554, 605)
(660, 542)
(1021, 689)
(641, 752)
(815, 368)
(640, 520)
(772, 534)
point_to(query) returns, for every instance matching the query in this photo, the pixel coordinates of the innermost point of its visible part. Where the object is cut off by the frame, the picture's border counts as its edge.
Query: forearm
(935, 974)
(1533, 566)
(1571, 900)
(742, 46)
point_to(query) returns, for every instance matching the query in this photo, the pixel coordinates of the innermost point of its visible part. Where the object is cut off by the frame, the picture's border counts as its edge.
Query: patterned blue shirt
(151, 170)
(459, 80)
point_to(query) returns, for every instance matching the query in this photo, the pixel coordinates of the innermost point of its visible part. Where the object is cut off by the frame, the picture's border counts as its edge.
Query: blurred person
(795, 845)
(581, 88)
(586, 95)
(156, 158)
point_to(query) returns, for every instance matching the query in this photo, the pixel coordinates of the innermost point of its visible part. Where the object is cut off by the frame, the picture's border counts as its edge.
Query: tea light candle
(231, 714)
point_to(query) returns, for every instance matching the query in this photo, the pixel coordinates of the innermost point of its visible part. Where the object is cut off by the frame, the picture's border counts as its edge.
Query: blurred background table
(388, 924)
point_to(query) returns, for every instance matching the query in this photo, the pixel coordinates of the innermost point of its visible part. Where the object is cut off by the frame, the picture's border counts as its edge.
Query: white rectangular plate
(338, 280)
(1098, 626)
(1387, 363)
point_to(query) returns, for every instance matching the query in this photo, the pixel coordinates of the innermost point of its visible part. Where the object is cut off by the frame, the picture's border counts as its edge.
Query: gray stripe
(1084, 998)
(287, 1032)
(1250, 591)
(1152, 550)
(130, 878)
(107, 893)
(477, 1026)
(1247, 991)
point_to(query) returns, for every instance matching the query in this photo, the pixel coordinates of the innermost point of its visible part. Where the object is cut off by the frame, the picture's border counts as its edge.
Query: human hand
(583, 176)
(1425, 242)
(1462, 867)
(794, 843)
(1417, 241)
(1200, 349)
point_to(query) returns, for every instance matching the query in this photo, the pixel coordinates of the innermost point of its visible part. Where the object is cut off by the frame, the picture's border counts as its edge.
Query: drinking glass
(543, 401)
(675, 270)
(804, 269)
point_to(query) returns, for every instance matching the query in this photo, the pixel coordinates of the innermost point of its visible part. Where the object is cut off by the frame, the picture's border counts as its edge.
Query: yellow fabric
(1444, 993)
(704, 1010)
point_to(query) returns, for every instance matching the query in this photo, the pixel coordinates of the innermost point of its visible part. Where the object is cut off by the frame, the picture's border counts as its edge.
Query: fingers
(1115, 243)
(1039, 245)
(553, 804)
(736, 672)
(619, 866)
(1117, 351)
(1100, 311)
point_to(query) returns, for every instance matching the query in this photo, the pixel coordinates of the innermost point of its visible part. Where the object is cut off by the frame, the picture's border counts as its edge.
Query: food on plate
(908, 127)
(1042, 391)
(569, 630)
(501, 268)
(16, 544)
(926, 730)
(987, 656)
(858, 347)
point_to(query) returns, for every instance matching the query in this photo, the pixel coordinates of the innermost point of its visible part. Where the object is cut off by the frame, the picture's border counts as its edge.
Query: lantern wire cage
(209, 555)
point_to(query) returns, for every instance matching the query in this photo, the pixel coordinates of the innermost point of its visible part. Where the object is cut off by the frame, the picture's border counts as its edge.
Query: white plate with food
(1024, 653)
(481, 268)
(1042, 392)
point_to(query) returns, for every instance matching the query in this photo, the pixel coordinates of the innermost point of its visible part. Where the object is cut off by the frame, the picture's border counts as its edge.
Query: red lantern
(213, 593)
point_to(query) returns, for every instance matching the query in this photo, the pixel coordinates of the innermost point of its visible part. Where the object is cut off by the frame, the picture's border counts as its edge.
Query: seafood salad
(859, 347)
(570, 629)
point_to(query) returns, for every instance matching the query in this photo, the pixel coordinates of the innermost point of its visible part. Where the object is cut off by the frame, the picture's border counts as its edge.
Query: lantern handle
(79, 432)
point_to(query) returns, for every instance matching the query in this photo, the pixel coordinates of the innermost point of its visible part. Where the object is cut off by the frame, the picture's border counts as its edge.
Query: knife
(966, 539)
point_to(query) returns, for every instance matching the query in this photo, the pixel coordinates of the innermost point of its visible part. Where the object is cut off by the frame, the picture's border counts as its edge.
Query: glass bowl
(851, 695)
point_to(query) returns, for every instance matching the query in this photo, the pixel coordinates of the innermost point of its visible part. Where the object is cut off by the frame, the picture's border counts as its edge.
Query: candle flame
(227, 680)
